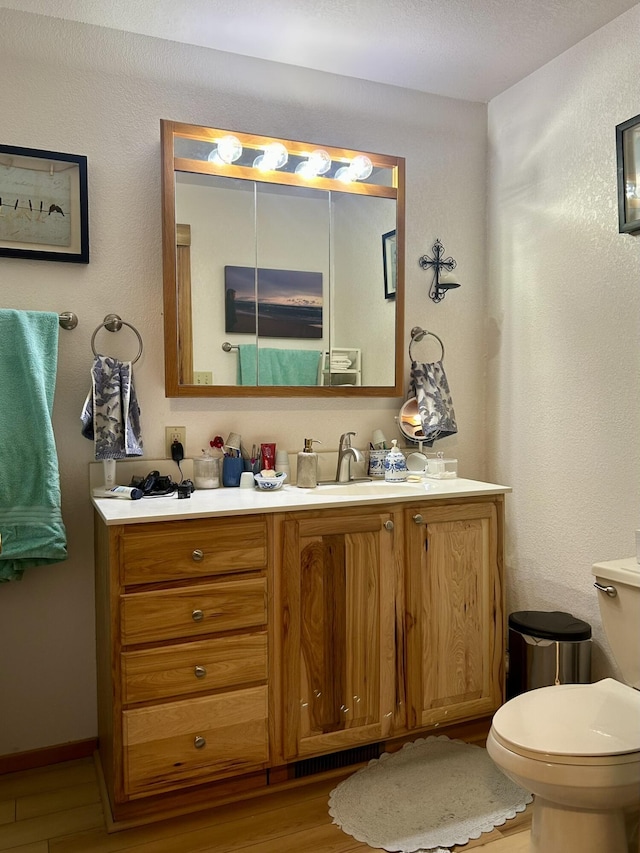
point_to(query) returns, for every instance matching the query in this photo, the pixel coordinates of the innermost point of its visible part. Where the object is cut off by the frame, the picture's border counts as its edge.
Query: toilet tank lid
(554, 625)
(623, 571)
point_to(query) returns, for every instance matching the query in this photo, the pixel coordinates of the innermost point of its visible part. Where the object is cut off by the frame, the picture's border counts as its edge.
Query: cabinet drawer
(169, 614)
(192, 741)
(176, 550)
(152, 674)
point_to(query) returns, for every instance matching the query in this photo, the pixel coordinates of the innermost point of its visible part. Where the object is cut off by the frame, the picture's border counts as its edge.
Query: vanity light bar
(274, 156)
(239, 155)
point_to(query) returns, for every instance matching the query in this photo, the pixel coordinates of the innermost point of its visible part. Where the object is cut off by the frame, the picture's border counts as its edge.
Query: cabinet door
(454, 613)
(338, 630)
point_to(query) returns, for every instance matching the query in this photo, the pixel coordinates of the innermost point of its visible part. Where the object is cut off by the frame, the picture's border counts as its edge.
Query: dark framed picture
(628, 157)
(44, 211)
(289, 302)
(389, 264)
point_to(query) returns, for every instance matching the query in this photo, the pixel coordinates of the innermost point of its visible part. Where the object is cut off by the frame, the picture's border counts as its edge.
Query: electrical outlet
(174, 433)
(202, 377)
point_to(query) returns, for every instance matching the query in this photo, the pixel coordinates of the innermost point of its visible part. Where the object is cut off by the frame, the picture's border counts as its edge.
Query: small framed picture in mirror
(389, 264)
(628, 157)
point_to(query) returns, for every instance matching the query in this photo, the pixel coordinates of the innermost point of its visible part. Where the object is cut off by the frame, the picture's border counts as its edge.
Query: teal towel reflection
(270, 366)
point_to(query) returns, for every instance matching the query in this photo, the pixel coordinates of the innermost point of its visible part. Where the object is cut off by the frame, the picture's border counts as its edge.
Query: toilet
(576, 747)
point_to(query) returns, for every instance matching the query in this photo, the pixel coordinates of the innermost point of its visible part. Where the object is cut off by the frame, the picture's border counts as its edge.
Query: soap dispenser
(307, 471)
(395, 465)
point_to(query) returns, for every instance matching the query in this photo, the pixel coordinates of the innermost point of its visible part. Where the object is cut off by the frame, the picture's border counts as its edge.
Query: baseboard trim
(47, 755)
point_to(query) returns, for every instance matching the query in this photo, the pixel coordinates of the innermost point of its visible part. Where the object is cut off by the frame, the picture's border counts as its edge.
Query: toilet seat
(573, 724)
(566, 759)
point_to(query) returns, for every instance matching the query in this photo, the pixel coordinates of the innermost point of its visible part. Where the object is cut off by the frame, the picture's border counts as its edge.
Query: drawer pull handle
(418, 518)
(197, 555)
(200, 671)
(199, 742)
(388, 525)
(197, 615)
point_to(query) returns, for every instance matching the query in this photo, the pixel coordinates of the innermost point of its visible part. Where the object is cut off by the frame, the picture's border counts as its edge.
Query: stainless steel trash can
(547, 648)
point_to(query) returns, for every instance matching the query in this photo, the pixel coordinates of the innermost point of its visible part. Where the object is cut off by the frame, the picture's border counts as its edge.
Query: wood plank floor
(57, 810)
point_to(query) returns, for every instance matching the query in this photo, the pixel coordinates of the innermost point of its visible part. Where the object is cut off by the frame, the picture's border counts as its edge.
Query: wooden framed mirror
(276, 275)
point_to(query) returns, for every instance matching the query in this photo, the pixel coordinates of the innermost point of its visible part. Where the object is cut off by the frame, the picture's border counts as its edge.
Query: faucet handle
(345, 440)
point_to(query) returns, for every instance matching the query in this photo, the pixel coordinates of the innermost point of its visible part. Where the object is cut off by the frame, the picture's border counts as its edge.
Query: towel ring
(417, 334)
(113, 323)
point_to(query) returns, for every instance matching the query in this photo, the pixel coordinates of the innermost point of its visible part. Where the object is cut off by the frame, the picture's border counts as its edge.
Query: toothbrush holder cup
(232, 468)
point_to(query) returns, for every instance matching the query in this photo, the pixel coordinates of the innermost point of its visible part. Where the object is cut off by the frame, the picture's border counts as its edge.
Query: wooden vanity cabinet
(232, 648)
(182, 655)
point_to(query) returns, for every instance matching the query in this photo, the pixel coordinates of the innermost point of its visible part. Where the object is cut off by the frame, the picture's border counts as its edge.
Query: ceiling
(470, 49)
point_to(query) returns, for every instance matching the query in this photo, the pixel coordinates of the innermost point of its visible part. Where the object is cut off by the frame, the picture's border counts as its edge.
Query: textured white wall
(563, 325)
(101, 93)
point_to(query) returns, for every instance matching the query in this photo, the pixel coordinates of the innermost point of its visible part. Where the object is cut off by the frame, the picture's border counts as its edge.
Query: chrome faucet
(345, 454)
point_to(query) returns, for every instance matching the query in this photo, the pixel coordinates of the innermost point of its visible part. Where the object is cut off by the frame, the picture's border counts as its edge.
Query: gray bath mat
(432, 794)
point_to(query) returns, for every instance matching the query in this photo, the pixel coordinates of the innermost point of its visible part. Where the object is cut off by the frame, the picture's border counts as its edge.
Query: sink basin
(373, 488)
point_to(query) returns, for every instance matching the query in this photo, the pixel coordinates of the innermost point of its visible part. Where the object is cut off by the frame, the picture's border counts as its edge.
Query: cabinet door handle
(418, 518)
(197, 556)
(200, 671)
(197, 615)
(199, 742)
(388, 525)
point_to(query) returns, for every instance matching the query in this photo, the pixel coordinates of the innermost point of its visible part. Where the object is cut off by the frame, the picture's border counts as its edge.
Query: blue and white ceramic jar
(395, 465)
(376, 463)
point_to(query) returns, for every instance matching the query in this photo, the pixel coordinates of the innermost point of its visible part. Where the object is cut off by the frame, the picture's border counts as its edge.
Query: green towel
(277, 366)
(31, 525)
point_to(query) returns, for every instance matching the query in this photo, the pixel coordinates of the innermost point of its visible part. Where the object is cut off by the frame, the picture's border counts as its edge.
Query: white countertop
(220, 502)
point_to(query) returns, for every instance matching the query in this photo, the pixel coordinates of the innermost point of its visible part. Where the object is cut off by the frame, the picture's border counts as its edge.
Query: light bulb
(358, 170)
(305, 170)
(275, 156)
(320, 161)
(344, 174)
(229, 149)
(361, 167)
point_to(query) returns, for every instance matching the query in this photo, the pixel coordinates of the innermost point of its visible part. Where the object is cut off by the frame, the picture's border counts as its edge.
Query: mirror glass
(410, 422)
(410, 425)
(278, 282)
